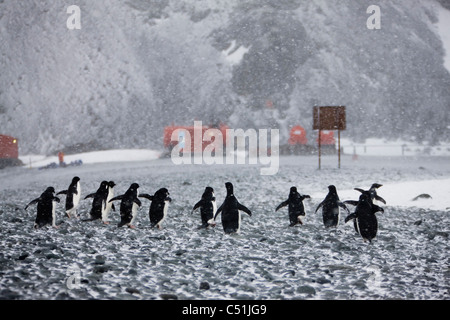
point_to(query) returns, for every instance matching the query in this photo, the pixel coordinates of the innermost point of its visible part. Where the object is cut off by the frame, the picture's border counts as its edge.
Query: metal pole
(319, 146)
(339, 147)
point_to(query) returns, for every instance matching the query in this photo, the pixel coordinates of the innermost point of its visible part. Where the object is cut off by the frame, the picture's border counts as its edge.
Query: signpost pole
(339, 148)
(320, 153)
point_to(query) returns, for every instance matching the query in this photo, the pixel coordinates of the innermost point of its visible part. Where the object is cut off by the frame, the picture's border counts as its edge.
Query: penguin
(366, 222)
(128, 206)
(373, 192)
(73, 196)
(231, 218)
(109, 205)
(159, 206)
(99, 203)
(208, 207)
(330, 208)
(46, 208)
(296, 208)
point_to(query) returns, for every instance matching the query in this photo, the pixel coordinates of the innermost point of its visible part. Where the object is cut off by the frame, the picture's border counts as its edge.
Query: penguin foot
(131, 226)
(105, 222)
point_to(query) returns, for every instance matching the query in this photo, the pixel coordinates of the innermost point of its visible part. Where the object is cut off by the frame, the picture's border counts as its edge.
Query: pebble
(306, 289)
(204, 286)
(168, 296)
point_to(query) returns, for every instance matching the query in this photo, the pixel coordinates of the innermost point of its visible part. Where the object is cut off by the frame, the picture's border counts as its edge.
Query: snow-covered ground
(267, 260)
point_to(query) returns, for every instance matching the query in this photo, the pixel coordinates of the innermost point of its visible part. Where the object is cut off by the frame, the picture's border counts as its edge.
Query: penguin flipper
(32, 202)
(62, 192)
(245, 209)
(319, 206)
(113, 207)
(197, 205)
(305, 196)
(281, 205)
(218, 211)
(168, 199)
(352, 202)
(116, 198)
(146, 196)
(56, 199)
(350, 217)
(377, 197)
(376, 208)
(138, 202)
(92, 195)
(343, 206)
(359, 189)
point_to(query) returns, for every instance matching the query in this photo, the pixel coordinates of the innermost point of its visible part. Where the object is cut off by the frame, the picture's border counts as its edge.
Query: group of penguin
(364, 218)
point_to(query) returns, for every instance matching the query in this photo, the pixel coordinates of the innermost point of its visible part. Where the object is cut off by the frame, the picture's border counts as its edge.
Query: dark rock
(101, 268)
(8, 294)
(168, 296)
(306, 289)
(418, 223)
(204, 286)
(323, 280)
(100, 260)
(23, 256)
(180, 252)
(132, 291)
(422, 196)
(52, 256)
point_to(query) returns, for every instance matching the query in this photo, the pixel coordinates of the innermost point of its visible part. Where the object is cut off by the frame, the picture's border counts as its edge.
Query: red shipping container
(9, 147)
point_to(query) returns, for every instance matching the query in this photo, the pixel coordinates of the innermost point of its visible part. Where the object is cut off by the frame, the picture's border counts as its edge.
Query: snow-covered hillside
(137, 66)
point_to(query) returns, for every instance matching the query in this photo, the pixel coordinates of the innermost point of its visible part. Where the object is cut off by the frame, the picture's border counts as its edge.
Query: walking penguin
(73, 195)
(128, 206)
(365, 220)
(46, 208)
(231, 218)
(330, 208)
(159, 206)
(208, 207)
(296, 208)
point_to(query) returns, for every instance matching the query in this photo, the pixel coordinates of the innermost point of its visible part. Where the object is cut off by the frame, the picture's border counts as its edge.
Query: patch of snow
(234, 54)
(94, 157)
(401, 194)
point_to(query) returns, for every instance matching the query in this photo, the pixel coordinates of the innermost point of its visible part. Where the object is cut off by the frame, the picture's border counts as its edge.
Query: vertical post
(319, 146)
(339, 148)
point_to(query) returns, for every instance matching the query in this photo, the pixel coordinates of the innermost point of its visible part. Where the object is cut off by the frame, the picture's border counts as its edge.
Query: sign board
(329, 118)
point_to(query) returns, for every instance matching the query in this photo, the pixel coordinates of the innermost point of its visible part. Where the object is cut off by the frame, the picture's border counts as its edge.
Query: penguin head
(209, 190)
(75, 179)
(162, 193)
(111, 184)
(134, 186)
(229, 187)
(364, 197)
(103, 185)
(50, 190)
(332, 188)
(293, 189)
(376, 186)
